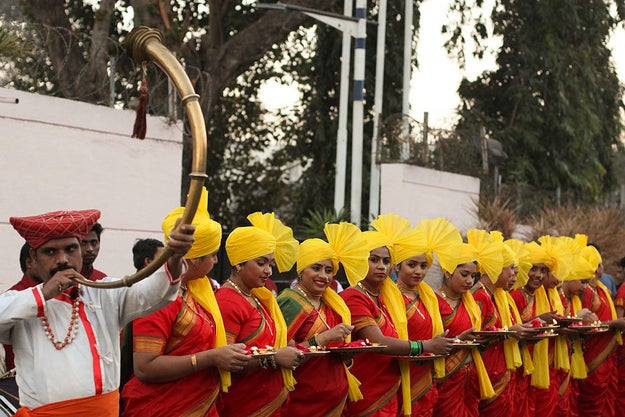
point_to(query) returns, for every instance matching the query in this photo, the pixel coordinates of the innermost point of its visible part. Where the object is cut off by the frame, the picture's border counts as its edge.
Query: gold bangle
(194, 362)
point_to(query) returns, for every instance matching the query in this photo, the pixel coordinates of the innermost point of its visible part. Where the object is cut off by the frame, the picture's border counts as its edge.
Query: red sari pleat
(378, 374)
(458, 392)
(258, 392)
(320, 377)
(524, 403)
(503, 380)
(423, 391)
(181, 328)
(597, 393)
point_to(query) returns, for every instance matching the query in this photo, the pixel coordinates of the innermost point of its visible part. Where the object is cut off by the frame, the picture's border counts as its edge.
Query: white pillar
(405, 151)
(358, 111)
(341, 137)
(374, 185)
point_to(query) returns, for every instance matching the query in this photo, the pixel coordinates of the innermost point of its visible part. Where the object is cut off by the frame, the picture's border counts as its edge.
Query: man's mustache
(62, 268)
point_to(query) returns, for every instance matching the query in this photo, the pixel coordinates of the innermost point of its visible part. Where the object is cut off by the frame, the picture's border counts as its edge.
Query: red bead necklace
(72, 331)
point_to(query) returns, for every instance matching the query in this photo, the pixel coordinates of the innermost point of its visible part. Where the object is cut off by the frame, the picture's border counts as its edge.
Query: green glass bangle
(313, 341)
(415, 348)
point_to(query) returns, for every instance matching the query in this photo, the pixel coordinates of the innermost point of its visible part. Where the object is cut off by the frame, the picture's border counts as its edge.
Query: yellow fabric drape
(286, 246)
(579, 370)
(510, 345)
(268, 301)
(486, 387)
(528, 364)
(561, 354)
(430, 302)
(394, 302)
(608, 296)
(336, 303)
(202, 292)
(540, 376)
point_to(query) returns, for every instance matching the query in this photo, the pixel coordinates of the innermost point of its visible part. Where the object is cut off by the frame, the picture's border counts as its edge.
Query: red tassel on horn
(140, 128)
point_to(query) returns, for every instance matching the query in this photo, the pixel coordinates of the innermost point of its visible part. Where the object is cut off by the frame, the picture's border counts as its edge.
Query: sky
(434, 83)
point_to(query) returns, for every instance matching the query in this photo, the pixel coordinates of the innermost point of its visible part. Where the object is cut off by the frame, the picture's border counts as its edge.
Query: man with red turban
(66, 337)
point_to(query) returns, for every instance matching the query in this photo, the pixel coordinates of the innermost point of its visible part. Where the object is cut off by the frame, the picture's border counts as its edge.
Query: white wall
(419, 193)
(58, 154)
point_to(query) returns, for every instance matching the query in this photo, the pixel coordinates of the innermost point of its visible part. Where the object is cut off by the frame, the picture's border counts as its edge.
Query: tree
(555, 100)
(229, 50)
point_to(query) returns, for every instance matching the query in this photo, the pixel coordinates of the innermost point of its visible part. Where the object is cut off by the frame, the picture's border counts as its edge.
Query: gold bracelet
(194, 362)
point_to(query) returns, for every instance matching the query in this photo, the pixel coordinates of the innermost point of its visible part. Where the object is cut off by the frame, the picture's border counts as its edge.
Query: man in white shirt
(66, 337)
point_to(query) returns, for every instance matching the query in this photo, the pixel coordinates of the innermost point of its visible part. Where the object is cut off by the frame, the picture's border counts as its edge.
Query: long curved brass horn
(145, 44)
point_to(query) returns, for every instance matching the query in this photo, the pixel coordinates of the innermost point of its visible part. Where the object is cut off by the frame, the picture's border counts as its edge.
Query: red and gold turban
(37, 230)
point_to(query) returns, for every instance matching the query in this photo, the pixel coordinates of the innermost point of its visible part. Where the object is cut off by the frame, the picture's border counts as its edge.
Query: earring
(237, 268)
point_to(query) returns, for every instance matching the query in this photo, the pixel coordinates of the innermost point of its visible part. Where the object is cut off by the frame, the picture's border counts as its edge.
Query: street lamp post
(351, 27)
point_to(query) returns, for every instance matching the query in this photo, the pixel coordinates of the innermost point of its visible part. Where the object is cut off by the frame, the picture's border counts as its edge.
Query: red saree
(258, 392)
(378, 374)
(597, 393)
(321, 377)
(179, 329)
(458, 392)
(503, 380)
(423, 391)
(524, 394)
(619, 301)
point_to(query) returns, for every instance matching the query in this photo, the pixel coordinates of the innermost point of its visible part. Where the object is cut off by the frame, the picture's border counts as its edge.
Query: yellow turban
(468, 253)
(581, 267)
(428, 237)
(523, 256)
(350, 247)
(589, 253)
(508, 255)
(391, 225)
(489, 253)
(375, 239)
(537, 253)
(315, 250)
(266, 235)
(346, 245)
(558, 250)
(207, 231)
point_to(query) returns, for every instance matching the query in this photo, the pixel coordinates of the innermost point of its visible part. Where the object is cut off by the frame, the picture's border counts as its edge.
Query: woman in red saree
(251, 315)
(466, 381)
(571, 291)
(502, 358)
(178, 349)
(619, 304)
(597, 393)
(379, 315)
(317, 316)
(524, 300)
(413, 255)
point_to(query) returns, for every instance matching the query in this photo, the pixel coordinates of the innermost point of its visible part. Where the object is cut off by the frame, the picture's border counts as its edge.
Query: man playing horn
(66, 337)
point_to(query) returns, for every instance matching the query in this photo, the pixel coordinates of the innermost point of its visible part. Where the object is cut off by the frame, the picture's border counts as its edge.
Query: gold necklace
(529, 296)
(366, 290)
(405, 289)
(259, 306)
(318, 309)
(307, 294)
(239, 290)
(442, 291)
